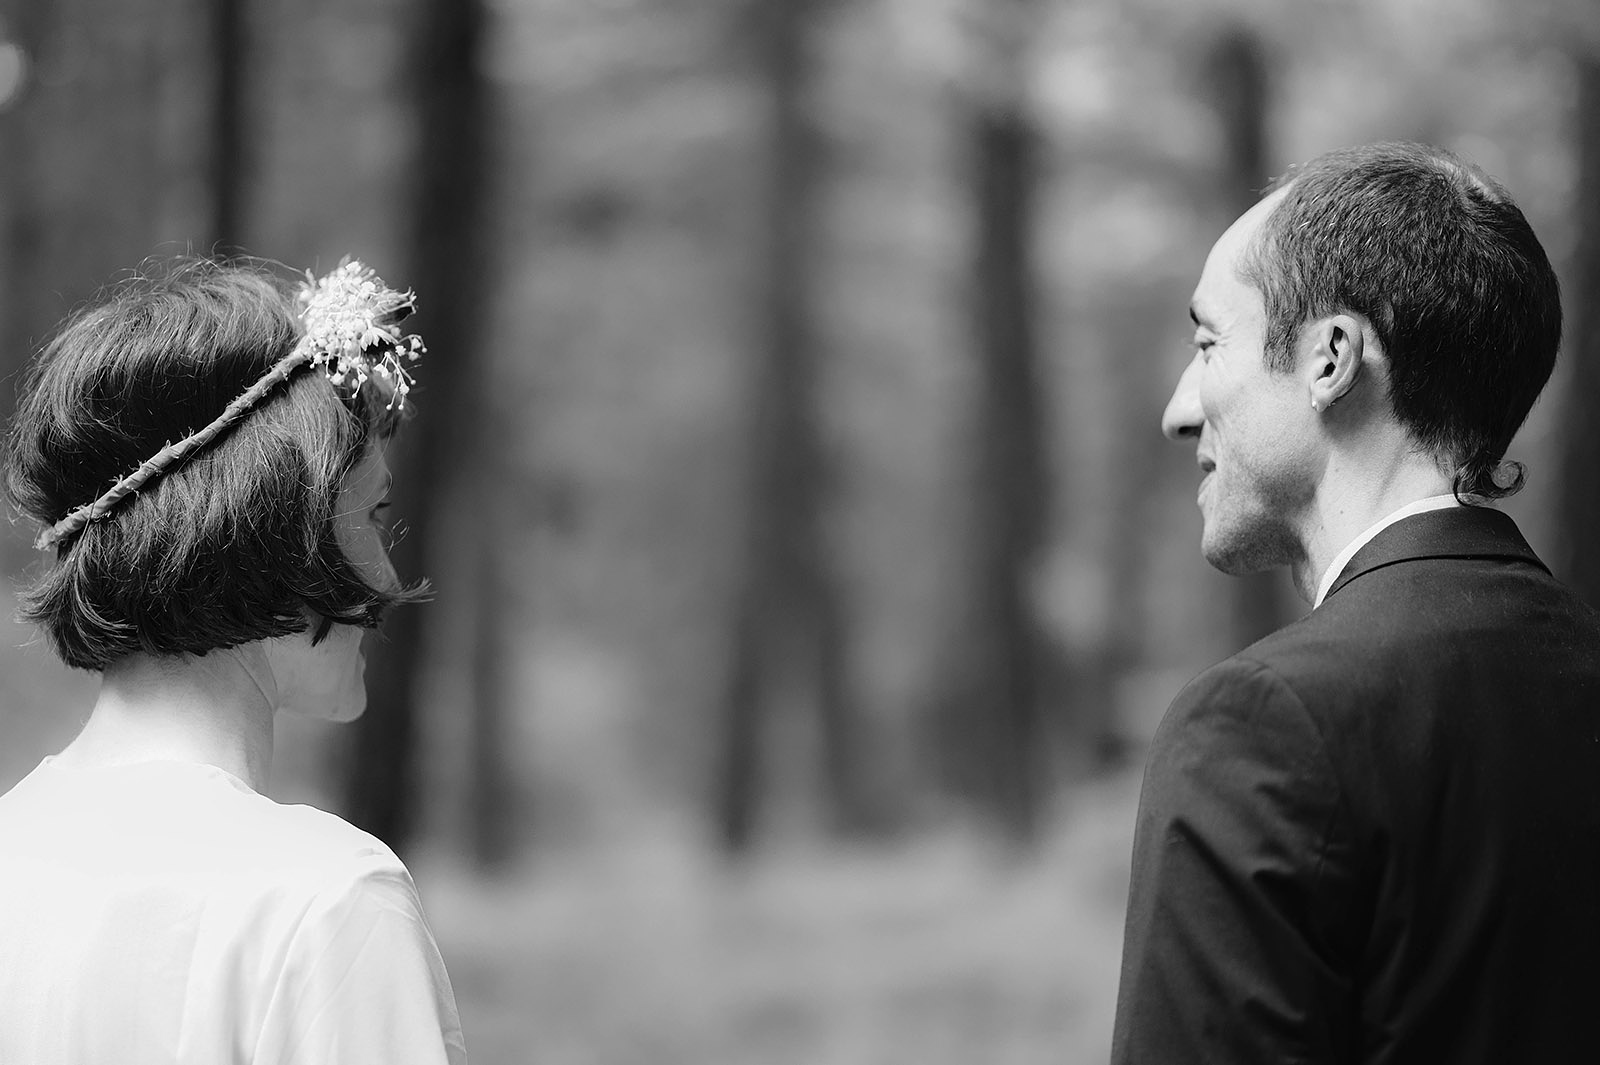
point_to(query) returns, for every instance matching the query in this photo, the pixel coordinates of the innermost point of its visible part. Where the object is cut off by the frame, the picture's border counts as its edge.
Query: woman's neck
(216, 709)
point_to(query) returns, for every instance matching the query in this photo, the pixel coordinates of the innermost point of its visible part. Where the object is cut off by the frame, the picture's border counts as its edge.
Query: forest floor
(937, 951)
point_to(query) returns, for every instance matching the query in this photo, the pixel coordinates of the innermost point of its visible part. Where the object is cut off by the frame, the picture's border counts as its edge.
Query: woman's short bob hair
(235, 544)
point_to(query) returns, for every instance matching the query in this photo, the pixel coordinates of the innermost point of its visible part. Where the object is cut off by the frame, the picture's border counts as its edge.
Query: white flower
(351, 320)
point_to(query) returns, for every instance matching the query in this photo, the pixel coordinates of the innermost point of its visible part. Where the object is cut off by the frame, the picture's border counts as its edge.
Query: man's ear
(1332, 365)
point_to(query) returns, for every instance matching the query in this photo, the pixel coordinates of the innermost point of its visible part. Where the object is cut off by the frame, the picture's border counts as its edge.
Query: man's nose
(1183, 417)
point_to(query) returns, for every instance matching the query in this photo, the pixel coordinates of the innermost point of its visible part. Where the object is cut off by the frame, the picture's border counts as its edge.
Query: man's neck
(1347, 504)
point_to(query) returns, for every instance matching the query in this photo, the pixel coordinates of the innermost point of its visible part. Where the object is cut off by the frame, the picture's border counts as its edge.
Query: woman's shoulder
(321, 851)
(321, 843)
(189, 821)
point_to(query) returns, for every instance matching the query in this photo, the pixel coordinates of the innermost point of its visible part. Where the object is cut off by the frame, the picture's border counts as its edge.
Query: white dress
(165, 914)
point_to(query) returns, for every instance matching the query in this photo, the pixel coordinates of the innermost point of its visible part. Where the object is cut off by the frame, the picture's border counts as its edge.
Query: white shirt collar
(1421, 506)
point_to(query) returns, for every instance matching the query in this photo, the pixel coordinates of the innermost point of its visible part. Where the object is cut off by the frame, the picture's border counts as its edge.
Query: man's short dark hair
(1433, 252)
(235, 544)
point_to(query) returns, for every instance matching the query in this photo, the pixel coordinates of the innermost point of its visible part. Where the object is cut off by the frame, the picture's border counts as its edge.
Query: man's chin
(1233, 566)
(1237, 556)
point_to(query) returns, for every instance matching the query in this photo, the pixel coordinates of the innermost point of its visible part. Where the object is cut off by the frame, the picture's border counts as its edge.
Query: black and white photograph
(799, 532)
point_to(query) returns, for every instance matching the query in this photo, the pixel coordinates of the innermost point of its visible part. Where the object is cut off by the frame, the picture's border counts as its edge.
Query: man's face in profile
(1251, 426)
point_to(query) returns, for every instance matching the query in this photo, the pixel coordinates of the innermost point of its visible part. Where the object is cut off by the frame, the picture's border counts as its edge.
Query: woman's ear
(1333, 364)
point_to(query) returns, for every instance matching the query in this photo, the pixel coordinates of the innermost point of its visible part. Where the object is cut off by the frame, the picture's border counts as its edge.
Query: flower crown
(351, 331)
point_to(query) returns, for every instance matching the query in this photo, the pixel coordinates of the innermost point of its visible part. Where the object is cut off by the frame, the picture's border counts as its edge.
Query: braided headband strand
(350, 321)
(173, 452)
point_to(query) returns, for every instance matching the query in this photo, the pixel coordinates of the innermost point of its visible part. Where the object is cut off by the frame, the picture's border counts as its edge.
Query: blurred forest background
(811, 570)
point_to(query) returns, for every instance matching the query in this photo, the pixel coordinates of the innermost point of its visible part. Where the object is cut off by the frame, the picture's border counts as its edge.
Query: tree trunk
(19, 225)
(789, 623)
(449, 246)
(1577, 503)
(229, 56)
(492, 806)
(739, 753)
(988, 712)
(1237, 76)
(994, 719)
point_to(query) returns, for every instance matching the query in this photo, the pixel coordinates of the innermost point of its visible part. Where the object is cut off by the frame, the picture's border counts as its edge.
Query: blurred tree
(789, 626)
(1577, 502)
(492, 803)
(25, 27)
(83, 165)
(19, 35)
(1236, 76)
(449, 247)
(229, 125)
(990, 708)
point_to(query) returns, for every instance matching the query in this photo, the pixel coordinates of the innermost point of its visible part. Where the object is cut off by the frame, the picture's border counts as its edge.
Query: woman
(155, 905)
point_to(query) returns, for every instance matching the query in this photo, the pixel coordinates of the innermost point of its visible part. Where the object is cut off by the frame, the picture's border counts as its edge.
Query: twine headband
(351, 321)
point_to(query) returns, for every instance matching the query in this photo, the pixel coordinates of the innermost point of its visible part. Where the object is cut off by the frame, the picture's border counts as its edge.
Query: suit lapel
(1455, 532)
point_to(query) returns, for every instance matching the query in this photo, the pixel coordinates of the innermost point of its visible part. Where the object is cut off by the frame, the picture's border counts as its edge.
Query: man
(1373, 836)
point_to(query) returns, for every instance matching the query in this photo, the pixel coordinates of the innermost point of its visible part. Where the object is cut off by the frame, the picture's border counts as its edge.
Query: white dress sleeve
(362, 981)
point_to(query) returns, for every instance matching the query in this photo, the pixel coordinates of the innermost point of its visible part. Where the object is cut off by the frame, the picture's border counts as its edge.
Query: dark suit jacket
(1374, 836)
